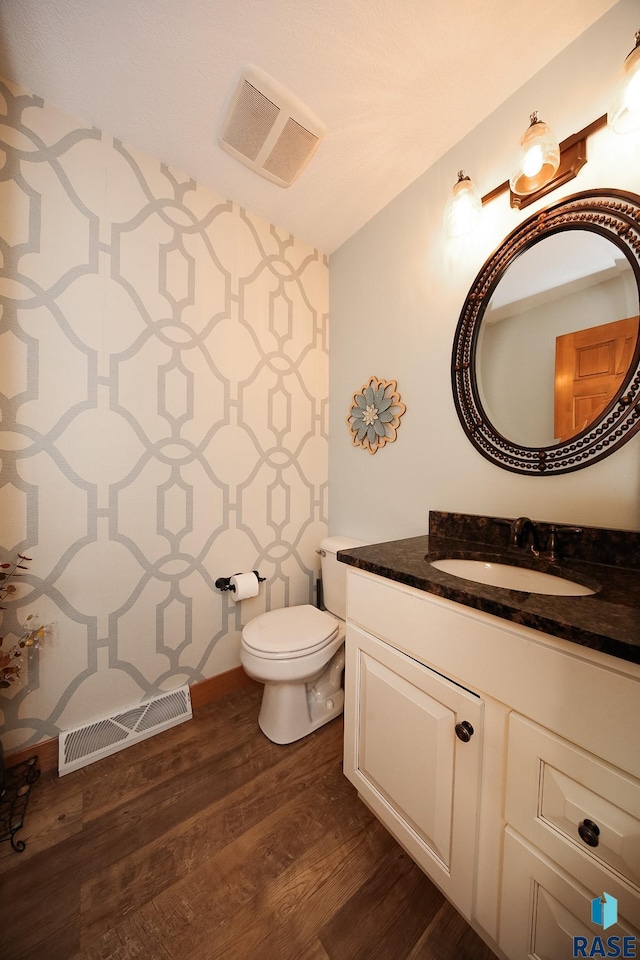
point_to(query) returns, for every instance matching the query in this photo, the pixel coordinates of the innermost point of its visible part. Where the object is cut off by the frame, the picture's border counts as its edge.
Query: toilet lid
(290, 632)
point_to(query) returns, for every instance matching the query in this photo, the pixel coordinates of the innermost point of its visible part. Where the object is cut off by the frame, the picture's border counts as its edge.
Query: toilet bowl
(298, 654)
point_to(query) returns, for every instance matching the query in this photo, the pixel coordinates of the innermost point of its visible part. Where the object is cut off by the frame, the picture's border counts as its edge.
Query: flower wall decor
(374, 415)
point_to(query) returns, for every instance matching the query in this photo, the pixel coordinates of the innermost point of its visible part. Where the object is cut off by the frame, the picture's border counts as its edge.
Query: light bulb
(532, 163)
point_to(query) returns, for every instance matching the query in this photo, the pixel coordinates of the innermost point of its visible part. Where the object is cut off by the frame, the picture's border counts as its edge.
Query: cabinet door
(543, 907)
(403, 755)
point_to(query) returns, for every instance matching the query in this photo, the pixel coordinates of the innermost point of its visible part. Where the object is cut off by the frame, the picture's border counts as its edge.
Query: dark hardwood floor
(210, 842)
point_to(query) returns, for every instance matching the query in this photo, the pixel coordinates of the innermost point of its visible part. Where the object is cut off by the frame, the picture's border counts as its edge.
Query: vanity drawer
(556, 790)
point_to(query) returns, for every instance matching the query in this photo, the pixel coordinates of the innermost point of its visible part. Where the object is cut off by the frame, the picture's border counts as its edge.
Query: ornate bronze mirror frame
(614, 215)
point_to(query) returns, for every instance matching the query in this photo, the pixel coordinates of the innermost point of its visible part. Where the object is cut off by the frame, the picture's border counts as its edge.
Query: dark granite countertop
(608, 621)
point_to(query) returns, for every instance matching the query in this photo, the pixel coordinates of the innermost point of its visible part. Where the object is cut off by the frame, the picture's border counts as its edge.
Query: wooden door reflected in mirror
(591, 366)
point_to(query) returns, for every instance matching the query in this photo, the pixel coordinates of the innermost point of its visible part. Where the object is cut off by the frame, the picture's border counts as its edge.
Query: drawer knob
(589, 832)
(464, 731)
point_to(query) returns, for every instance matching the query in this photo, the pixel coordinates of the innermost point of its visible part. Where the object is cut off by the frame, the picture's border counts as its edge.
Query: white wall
(396, 291)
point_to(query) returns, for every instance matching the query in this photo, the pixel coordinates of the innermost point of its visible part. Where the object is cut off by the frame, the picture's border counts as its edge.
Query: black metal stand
(18, 781)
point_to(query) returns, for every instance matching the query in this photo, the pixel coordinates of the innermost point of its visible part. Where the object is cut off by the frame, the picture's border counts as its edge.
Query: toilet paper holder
(224, 583)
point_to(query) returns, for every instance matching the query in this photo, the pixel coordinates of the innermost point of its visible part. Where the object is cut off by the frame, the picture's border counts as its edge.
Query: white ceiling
(397, 83)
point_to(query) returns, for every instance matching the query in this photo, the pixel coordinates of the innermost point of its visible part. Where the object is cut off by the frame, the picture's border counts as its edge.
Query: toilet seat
(290, 632)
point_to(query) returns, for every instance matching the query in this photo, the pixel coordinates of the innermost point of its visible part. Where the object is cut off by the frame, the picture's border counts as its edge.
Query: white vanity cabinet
(415, 772)
(498, 821)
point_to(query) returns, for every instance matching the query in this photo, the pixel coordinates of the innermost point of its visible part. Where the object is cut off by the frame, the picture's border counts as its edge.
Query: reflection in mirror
(591, 366)
(569, 283)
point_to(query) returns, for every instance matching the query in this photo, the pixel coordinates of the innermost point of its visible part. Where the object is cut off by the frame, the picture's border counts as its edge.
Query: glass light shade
(463, 208)
(538, 159)
(624, 107)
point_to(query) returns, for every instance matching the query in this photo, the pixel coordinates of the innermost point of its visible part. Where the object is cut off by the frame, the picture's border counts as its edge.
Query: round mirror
(546, 356)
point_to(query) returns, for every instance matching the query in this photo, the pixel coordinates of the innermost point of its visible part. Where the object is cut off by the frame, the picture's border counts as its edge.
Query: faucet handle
(551, 553)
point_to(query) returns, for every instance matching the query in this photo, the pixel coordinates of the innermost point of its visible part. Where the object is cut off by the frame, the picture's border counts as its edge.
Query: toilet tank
(334, 574)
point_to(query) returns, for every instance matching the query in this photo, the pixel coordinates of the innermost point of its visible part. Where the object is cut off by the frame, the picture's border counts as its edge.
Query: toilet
(298, 653)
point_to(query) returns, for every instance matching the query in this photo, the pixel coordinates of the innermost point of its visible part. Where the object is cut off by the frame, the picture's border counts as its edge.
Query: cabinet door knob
(464, 731)
(589, 832)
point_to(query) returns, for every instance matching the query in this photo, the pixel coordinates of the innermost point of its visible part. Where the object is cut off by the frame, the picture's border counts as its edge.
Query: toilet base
(290, 711)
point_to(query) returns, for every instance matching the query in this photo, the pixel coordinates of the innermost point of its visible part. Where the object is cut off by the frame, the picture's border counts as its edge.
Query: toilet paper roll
(246, 585)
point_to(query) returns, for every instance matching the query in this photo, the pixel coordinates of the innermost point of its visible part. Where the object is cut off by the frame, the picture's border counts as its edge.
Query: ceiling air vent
(268, 129)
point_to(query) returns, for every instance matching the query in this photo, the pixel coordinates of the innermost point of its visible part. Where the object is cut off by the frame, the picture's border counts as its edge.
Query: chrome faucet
(523, 534)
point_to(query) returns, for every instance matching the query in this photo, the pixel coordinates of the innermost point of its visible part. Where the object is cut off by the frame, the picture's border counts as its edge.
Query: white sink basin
(512, 578)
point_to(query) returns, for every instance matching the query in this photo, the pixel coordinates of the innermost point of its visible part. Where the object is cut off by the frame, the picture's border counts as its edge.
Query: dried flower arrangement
(12, 659)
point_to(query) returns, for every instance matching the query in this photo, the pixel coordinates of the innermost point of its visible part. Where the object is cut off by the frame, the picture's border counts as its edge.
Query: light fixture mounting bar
(573, 156)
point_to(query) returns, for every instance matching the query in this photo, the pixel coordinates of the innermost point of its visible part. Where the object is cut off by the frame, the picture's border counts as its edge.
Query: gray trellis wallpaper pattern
(163, 382)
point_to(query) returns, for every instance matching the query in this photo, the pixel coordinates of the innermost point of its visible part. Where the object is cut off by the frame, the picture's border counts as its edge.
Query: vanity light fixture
(573, 156)
(463, 208)
(624, 107)
(538, 159)
(544, 165)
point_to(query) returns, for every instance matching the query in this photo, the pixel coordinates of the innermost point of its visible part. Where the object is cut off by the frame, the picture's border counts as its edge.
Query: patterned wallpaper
(163, 390)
